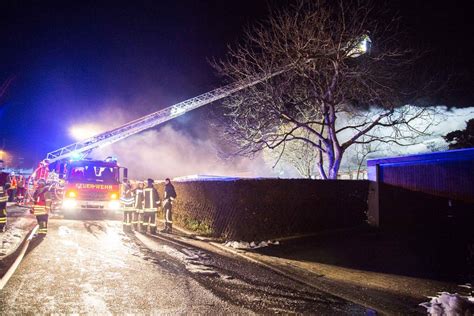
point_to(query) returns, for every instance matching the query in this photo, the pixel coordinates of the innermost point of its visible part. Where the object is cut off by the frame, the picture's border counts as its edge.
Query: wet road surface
(91, 266)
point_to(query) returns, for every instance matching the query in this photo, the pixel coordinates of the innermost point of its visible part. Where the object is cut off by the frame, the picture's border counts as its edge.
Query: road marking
(14, 266)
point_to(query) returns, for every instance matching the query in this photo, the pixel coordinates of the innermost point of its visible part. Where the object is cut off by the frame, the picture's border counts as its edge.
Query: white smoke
(167, 152)
(442, 122)
(172, 153)
(449, 119)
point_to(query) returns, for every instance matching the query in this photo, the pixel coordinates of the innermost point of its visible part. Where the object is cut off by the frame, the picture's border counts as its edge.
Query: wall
(417, 190)
(269, 208)
(428, 199)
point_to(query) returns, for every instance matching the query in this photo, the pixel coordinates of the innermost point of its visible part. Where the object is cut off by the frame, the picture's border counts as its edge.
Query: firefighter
(151, 203)
(168, 199)
(20, 195)
(43, 170)
(12, 189)
(137, 219)
(127, 201)
(3, 207)
(42, 205)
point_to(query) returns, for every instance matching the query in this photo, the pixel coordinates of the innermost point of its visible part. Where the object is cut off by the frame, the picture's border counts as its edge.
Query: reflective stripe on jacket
(138, 199)
(42, 200)
(151, 199)
(40, 209)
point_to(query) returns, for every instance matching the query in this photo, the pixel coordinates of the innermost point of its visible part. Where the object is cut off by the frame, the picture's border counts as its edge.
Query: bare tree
(461, 138)
(298, 154)
(330, 88)
(356, 158)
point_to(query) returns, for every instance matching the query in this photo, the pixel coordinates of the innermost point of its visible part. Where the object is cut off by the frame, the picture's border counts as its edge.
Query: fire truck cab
(93, 185)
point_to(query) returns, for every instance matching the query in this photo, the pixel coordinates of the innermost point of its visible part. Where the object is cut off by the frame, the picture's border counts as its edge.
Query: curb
(191, 234)
(6, 257)
(322, 233)
(11, 270)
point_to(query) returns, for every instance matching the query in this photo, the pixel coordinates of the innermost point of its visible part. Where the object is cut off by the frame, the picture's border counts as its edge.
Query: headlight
(69, 204)
(114, 196)
(114, 205)
(71, 194)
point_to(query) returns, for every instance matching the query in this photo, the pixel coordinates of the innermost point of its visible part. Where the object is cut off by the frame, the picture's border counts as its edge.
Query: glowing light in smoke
(362, 47)
(83, 131)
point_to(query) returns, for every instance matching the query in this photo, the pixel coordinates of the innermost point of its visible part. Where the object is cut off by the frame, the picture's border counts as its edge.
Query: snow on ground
(200, 177)
(19, 223)
(250, 245)
(15, 209)
(9, 241)
(451, 304)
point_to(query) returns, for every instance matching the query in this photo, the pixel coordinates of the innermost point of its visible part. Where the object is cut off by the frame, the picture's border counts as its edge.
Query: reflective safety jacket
(42, 170)
(3, 197)
(151, 199)
(3, 217)
(3, 207)
(42, 201)
(13, 182)
(138, 200)
(128, 199)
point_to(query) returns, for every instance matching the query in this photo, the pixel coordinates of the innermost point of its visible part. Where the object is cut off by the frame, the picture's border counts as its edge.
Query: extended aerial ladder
(82, 148)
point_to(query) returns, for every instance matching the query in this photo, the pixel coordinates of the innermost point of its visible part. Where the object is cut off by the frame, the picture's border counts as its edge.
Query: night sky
(72, 59)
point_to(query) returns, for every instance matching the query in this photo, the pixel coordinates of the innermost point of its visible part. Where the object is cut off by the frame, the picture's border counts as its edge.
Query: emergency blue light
(75, 156)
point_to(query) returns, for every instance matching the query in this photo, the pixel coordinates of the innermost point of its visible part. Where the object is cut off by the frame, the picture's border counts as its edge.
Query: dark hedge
(263, 209)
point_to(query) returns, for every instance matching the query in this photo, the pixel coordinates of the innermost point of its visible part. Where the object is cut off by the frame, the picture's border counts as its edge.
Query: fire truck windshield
(91, 173)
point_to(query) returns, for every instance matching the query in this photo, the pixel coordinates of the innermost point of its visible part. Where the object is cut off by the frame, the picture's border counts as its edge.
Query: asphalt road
(91, 266)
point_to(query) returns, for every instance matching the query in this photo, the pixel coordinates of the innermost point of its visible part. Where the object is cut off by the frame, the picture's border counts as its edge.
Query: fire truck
(92, 185)
(82, 184)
